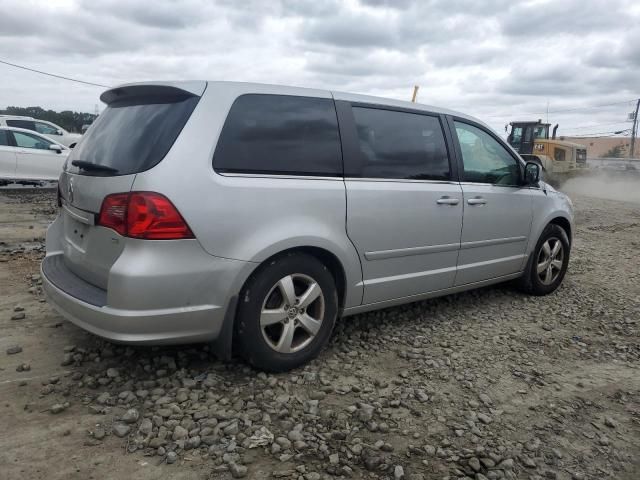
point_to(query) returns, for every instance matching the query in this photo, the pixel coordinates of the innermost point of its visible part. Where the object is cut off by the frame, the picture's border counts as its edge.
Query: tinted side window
(399, 145)
(4, 138)
(485, 159)
(46, 129)
(24, 140)
(516, 136)
(280, 134)
(28, 124)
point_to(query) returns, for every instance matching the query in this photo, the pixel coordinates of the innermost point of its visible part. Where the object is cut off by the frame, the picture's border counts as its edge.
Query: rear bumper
(80, 303)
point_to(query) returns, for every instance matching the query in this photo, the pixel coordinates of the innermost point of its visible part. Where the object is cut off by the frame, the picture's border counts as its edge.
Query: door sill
(424, 296)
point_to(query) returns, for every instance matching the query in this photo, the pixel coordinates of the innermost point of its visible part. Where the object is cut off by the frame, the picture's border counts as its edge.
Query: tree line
(71, 121)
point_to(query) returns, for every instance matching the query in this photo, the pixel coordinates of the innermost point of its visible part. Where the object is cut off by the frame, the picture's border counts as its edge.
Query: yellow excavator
(559, 159)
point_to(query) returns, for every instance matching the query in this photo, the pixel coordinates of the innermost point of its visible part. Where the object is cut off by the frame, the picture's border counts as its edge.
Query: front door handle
(447, 201)
(476, 201)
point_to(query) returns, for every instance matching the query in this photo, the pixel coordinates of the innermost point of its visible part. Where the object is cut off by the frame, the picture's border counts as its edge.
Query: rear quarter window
(26, 124)
(280, 134)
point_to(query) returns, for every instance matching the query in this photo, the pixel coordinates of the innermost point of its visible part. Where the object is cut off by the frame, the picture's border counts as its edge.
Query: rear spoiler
(171, 89)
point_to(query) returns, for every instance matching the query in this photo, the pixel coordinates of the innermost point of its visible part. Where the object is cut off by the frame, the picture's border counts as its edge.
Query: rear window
(280, 134)
(4, 138)
(28, 124)
(134, 135)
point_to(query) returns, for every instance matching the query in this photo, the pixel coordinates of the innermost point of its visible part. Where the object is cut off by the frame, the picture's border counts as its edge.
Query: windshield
(516, 137)
(541, 131)
(133, 135)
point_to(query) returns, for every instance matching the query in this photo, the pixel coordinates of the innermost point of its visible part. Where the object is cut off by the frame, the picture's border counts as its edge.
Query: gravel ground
(483, 385)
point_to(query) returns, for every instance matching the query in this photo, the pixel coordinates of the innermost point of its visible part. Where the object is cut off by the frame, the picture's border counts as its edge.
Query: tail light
(145, 215)
(113, 213)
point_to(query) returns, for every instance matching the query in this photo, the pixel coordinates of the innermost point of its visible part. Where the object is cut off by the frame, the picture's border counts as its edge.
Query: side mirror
(531, 173)
(59, 132)
(55, 148)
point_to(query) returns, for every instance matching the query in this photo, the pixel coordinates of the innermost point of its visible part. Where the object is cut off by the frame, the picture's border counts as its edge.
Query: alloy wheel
(550, 260)
(292, 313)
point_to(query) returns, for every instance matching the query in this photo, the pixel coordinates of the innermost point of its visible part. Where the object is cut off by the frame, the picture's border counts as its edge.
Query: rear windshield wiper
(93, 166)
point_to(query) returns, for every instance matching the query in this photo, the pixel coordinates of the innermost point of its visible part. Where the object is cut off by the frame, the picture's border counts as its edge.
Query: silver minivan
(256, 215)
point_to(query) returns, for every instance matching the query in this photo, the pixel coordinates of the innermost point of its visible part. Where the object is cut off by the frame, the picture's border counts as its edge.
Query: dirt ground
(486, 384)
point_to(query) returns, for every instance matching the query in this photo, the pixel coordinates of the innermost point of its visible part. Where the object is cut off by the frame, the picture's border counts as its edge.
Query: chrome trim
(399, 180)
(491, 262)
(87, 218)
(423, 296)
(407, 252)
(280, 176)
(407, 276)
(341, 178)
(491, 242)
(493, 185)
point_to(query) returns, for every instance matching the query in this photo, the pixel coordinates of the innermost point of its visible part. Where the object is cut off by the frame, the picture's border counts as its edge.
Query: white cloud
(496, 60)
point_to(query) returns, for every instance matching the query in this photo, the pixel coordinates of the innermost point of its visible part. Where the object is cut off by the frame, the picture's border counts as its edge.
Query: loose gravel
(488, 384)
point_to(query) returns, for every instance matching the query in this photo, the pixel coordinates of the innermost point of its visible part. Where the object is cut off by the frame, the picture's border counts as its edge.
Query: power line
(606, 134)
(53, 74)
(611, 135)
(583, 127)
(593, 106)
(563, 110)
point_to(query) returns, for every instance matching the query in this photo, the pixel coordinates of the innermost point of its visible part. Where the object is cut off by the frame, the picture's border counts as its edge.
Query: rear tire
(547, 263)
(286, 312)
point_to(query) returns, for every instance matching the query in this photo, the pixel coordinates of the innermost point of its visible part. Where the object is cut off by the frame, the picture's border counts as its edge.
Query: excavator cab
(558, 158)
(524, 134)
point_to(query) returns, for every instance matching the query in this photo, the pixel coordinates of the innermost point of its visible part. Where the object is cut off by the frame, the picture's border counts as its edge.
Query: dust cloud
(605, 185)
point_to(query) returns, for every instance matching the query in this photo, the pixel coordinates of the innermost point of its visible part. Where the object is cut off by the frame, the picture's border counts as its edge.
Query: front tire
(286, 312)
(548, 262)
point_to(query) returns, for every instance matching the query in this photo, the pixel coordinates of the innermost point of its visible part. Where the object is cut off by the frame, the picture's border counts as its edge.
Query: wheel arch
(324, 256)
(526, 282)
(558, 216)
(565, 224)
(224, 344)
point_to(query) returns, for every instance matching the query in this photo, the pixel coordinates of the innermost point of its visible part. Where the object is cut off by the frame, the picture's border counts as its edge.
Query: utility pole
(633, 130)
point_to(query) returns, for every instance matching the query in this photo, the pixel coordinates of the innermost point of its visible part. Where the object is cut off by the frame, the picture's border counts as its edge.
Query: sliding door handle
(476, 201)
(447, 201)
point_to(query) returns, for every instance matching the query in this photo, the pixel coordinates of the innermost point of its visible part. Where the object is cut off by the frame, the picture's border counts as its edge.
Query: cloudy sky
(498, 60)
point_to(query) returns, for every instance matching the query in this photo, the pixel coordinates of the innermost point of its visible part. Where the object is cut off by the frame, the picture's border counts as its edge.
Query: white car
(28, 156)
(55, 132)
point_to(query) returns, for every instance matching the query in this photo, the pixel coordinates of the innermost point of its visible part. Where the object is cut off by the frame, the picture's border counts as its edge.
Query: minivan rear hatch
(133, 134)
